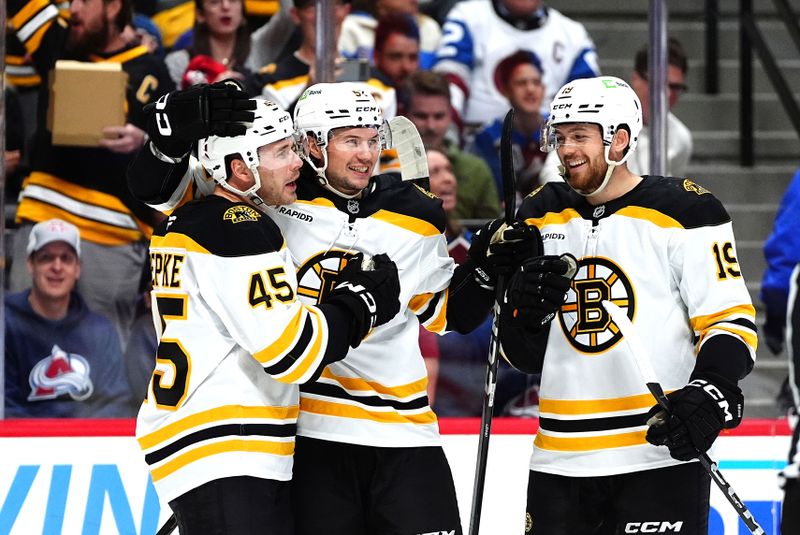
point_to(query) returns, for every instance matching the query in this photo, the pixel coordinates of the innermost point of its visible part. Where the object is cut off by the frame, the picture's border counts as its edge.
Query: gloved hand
(698, 412)
(179, 118)
(499, 249)
(370, 290)
(538, 289)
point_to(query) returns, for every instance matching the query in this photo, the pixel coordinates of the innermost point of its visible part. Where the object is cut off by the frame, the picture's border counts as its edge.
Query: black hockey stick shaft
(169, 526)
(509, 202)
(645, 367)
(713, 471)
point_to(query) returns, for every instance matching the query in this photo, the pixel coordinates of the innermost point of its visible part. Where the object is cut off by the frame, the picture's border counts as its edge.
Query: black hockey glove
(179, 118)
(699, 411)
(499, 249)
(371, 292)
(538, 289)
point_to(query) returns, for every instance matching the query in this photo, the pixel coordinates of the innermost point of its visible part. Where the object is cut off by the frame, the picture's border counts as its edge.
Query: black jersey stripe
(593, 424)
(222, 431)
(296, 352)
(744, 322)
(431, 308)
(337, 392)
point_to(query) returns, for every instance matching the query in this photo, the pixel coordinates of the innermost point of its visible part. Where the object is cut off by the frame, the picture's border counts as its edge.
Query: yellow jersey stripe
(418, 226)
(594, 406)
(648, 214)
(419, 301)
(290, 82)
(90, 230)
(342, 410)
(702, 323)
(175, 240)
(279, 347)
(313, 355)
(235, 445)
(27, 12)
(621, 440)
(362, 385)
(553, 218)
(439, 322)
(214, 415)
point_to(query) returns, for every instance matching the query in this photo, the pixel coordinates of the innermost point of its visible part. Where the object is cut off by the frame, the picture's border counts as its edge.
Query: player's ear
(619, 143)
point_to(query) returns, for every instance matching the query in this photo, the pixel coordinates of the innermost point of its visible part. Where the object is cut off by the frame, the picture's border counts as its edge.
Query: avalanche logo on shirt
(317, 276)
(585, 323)
(60, 374)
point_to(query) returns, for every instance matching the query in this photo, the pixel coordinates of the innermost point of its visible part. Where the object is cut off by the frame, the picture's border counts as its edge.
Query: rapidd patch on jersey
(688, 185)
(585, 323)
(240, 213)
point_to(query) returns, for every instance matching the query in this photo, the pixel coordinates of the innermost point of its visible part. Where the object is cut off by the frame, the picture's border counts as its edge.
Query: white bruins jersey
(233, 340)
(664, 253)
(476, 39)
(377, 395)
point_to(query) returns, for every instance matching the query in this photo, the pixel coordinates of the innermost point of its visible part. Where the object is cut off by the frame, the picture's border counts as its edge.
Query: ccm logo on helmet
(654, 527)
(562, 106)
(366, 108)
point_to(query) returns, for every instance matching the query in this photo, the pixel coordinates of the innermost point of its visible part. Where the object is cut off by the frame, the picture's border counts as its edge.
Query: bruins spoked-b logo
(585, 322)
(319, 274)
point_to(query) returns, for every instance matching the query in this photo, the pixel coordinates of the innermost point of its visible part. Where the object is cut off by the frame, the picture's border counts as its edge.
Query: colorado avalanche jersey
(233, 338)
(476, 39)
(377, 395)
(665, 253)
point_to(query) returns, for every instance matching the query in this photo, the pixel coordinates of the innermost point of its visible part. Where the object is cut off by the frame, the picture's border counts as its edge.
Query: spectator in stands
(61, 359)
(679, 138)
(428, 107)
(219, 49)
(460, 369)
(86, 185)
(478, 35)
(397, 51)
(790, 475)
(140, 351)
(519, 79)
(360, 32)
(286, 79)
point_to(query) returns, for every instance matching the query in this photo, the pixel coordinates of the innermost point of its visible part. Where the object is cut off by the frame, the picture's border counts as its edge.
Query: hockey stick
(509, 198)
(645, 367)
(169, 526)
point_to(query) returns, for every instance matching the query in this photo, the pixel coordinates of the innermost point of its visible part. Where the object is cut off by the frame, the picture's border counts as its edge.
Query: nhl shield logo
(599, 211)
(353, 206)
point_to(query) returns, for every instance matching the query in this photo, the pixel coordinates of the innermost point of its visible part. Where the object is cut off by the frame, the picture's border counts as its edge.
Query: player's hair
(676, 56)
(428, 83)
(391, 24)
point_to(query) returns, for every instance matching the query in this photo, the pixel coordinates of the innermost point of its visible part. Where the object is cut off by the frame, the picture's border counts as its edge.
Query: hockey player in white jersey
(663, 250)
(480, 34)
(218, 424)
(368, 456)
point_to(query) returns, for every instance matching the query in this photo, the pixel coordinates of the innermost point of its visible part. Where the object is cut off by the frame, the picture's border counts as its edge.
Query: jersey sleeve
(705, 268)
(782, 252)
(431, 295)
(40, 28)
(455, 56)
(255, 298)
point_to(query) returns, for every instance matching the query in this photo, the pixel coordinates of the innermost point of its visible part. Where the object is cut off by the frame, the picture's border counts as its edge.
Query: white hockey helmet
(325, 107)
(606, 101)
(270, 124)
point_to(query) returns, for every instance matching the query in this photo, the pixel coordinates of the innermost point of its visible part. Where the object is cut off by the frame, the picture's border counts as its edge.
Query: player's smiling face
(352, 155)
(581, 151)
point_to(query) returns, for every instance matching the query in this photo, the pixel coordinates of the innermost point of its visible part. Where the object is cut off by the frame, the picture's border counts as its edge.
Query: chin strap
(609, 171)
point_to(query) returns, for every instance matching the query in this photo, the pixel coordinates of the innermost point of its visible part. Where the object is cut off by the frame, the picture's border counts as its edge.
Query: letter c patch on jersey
(585, 323)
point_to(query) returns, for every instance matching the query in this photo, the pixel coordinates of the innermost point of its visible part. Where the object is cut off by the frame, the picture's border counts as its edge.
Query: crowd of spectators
(453, 73)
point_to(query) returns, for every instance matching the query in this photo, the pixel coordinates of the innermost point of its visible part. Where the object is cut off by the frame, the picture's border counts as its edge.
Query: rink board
(88, 477)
